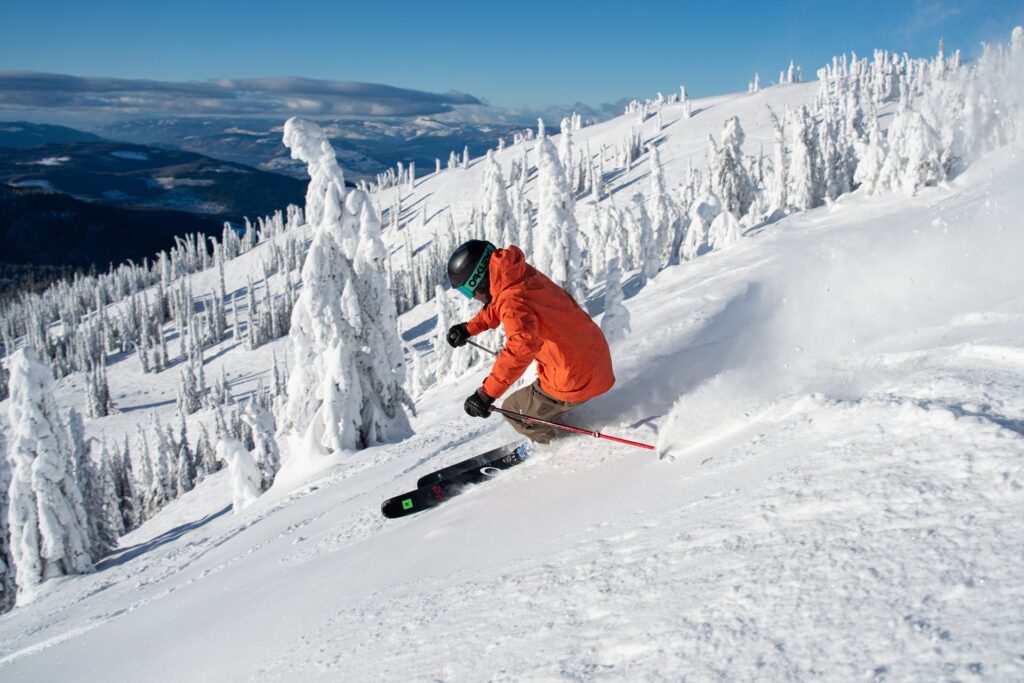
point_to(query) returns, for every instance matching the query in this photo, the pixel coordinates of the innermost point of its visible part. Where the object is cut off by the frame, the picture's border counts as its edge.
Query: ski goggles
(478, 274)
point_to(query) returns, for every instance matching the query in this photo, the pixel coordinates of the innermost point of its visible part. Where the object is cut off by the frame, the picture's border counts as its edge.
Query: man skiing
(542, 322)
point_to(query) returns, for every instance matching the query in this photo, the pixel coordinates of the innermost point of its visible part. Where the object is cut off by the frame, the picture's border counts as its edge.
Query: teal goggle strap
(478, 274)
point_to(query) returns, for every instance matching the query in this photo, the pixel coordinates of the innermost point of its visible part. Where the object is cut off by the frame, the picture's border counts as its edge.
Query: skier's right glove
(458, 335)
(479, 404)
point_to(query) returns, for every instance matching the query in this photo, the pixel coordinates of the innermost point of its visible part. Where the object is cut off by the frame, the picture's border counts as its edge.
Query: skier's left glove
(479, 404)
(458, 335)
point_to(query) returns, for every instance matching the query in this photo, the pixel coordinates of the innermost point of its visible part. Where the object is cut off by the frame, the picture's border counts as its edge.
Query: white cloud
(277, 96)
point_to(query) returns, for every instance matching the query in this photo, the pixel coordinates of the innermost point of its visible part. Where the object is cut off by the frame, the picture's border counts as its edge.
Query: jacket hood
(507, 266)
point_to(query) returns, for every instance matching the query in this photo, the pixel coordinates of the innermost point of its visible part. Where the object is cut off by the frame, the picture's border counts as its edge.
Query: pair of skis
(435, 488)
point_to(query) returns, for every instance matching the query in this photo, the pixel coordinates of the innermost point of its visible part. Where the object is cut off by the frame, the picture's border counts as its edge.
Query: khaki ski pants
(532, 401)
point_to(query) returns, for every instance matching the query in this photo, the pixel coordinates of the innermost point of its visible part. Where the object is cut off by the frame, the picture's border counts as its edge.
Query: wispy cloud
(281, 96)
(928, 14)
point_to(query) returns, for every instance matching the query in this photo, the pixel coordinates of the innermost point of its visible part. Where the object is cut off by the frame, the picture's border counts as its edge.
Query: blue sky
(507, 54)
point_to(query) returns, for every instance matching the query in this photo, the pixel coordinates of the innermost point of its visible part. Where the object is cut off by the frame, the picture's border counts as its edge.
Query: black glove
(479, 404)
(458, 335)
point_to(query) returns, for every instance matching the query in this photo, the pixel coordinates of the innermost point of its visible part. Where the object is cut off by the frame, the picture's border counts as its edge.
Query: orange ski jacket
(542, 322)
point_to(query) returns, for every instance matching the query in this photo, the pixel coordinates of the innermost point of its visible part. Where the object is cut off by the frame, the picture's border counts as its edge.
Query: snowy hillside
(837, 396)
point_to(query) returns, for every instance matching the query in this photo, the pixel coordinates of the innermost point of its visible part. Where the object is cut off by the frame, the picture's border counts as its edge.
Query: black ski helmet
(467, 267)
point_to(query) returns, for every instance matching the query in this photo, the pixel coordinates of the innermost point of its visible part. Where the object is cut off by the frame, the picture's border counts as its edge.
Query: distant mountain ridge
(20, 134)
(144, 177)
(43, 234)
(364, 147)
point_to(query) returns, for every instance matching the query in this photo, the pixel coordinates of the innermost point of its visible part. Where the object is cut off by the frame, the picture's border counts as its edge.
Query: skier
(542, 322)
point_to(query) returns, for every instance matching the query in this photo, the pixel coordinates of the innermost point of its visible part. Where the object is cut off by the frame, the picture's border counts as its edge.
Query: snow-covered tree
(347, 388)
(205, 455)
(638, 226)
(730, 179)
(99, 494)
(914, 157)
(307, 143)
(379, 360)
(324, 393)
(97, 391)
(49, 532)
(442, 359)
(242, 470)
(498, 222)
(706, 208)
(872, 156)
(800, 186)
(557, 252)
(663, 213)
(185, 475)
(725, 230)
(565, 151)
(124, 484)
(8, 587)
(615, 322)
(144, 475)
(265, 451)
(163, 487)
(775, 190)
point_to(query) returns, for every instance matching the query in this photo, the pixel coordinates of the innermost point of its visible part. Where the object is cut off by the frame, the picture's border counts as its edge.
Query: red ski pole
(576, 430)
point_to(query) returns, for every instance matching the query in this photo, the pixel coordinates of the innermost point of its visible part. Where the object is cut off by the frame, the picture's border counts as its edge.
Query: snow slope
(840, 396)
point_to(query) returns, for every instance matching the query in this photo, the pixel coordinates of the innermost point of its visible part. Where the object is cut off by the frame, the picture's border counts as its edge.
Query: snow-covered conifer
(800, 188)
(8, 587)
(775, 191)
(494, 207)
(914, 156)
(725, 230)
(307, 143)
(565, 151)
(871, 157)
(163, 488)
(324, 394)
(205, 456)
(124, 481)
(242, 470)
(556, 248)
(324, 409)
(663, 214)
(189, 398)
(97, 393)
(185, 474)
(265, 451)
(730, 179)
(615, 322)
(49, 535)
(99, 495)
(442, 357)
(380, 362)
(640, 229)
(706, 208)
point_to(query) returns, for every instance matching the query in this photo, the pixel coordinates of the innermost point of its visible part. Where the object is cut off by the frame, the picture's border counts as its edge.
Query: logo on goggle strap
(477, 276)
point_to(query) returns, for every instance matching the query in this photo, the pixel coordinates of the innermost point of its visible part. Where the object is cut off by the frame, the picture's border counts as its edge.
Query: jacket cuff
(494, 388)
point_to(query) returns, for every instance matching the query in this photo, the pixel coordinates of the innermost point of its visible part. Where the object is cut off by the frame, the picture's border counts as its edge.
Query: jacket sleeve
(486, 319)
(522, 343)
